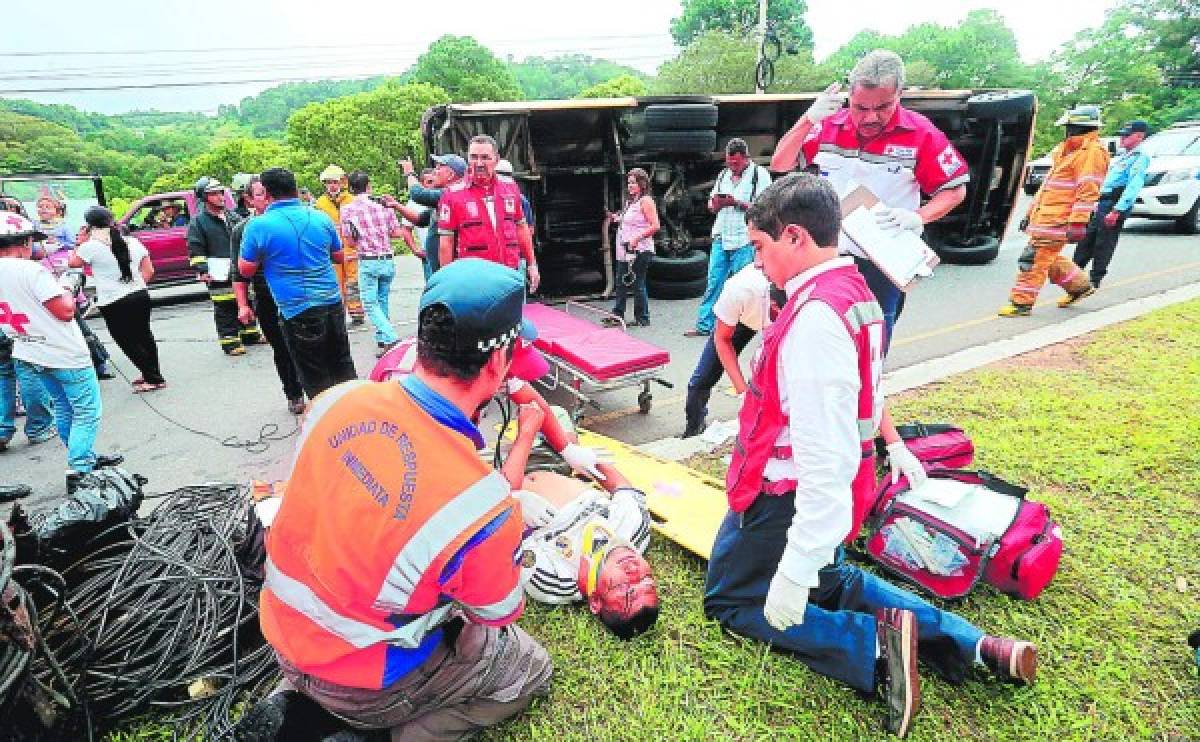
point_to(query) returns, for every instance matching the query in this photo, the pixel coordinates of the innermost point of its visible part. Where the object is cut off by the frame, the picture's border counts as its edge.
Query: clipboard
(901, 256)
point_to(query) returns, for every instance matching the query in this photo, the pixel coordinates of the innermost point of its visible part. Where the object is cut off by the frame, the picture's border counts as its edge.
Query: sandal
(140, 388)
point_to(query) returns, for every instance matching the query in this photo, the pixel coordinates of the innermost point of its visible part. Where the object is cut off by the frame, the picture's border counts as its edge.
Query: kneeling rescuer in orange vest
(391, 586)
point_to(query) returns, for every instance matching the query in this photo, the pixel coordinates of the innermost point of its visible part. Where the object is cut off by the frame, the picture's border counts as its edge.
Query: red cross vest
(463, 211)
(390, 524)
(762, 418)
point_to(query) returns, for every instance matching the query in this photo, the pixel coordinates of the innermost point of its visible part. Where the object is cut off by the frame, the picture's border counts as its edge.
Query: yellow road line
(1044, 303)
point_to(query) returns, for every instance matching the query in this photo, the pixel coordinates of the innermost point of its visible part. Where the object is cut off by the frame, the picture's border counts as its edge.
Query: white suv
(1172, 189)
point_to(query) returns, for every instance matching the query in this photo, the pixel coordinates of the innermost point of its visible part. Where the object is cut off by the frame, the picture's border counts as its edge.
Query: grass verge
(1102, 429)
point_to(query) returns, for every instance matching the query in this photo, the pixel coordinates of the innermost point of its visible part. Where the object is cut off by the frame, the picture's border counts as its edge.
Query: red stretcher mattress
(603, 353)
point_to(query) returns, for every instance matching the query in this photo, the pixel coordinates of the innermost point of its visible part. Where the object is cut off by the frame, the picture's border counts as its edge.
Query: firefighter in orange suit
(1060, 214)
(391, 582)
(330, 203)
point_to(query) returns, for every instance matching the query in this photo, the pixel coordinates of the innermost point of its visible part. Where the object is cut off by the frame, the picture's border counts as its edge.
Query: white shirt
(419, 233)
(730, 223)
(744, 299)
(550, 555)
(38, 336)
(97, 253)
(818, 388)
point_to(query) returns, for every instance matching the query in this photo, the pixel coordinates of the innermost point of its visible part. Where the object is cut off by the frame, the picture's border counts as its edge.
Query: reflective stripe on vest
(300, 598)
(434, 536)
(502, 608)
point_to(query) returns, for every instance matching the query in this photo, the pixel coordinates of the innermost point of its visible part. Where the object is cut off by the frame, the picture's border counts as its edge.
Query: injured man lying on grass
(589, 547)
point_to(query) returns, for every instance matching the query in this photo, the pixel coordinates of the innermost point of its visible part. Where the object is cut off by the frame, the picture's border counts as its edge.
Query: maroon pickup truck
(160, 223)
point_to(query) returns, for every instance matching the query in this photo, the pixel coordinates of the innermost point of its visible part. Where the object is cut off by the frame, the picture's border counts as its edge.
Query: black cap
(485, 299)
(1137, 125)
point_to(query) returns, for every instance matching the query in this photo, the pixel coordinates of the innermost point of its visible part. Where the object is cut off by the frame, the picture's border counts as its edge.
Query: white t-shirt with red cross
(38, 336)
(911, 157)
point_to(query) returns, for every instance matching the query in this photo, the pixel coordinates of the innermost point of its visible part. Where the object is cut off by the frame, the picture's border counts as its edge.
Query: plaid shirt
(370, 225)
(730, 225)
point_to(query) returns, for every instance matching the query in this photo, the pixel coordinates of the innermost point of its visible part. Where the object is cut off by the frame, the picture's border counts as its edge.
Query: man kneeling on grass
(586, 545)
(803, 475)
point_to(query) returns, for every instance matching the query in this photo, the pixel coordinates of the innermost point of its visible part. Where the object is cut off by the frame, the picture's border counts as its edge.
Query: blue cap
(454, 162)
(1135, 125)
(485, 299)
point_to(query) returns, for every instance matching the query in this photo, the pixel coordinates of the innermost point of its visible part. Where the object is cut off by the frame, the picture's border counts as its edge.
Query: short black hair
(627, 628)
(802, 199)
(436, 351)
(737, 146)
(358, 182)
(279, 182)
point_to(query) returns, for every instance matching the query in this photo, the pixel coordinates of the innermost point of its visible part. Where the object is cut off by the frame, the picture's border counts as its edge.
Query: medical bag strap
(989, 480)
(924, 430)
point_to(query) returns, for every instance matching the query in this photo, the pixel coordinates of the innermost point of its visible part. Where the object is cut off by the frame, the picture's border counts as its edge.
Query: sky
(159, 51)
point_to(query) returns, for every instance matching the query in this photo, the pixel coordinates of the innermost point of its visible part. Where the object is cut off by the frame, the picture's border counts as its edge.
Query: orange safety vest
(391, 523)
(464, 212)
(1072, 187)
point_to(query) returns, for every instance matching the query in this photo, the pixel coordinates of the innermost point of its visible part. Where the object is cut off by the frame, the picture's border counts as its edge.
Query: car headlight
(1178, 176)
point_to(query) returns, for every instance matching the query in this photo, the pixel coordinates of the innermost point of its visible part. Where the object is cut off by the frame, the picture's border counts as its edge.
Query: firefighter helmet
(1087, 115)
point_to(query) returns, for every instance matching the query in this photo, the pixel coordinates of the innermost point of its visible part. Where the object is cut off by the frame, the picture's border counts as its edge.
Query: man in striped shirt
(369, 228)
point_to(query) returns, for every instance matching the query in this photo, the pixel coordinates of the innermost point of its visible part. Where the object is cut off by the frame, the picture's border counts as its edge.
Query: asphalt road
(213, 398)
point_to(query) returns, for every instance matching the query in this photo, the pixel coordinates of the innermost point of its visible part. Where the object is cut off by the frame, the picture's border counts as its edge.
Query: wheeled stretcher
(586, 358)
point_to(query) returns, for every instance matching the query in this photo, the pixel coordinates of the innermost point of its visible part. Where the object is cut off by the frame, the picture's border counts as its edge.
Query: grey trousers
(491, 674)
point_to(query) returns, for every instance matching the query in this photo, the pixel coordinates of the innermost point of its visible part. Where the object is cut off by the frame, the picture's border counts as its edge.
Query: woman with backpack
(121, 268)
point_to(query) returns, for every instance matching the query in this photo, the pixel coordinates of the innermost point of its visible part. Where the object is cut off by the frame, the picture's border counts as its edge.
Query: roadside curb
(969, 359)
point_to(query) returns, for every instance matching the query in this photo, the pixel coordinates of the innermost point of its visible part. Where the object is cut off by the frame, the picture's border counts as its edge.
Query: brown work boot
(899, 683)
(1010, 659)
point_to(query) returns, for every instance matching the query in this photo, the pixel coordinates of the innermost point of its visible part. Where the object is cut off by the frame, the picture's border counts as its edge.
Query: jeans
(1100, 242)
(374, 286)
(722, 264)
(39, 414)
(77, 408)
(128, 321)
(318, 342)
(708, 372)
(272, 329)
(886, 293)
(641, 299)
(838, 636)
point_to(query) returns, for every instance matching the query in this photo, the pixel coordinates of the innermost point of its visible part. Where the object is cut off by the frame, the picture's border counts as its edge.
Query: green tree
(618, 87)
(740, 16)
(565, 76)
(369, 130)
(723, 62)
(466, 70)
(266, 114)
(244, 155)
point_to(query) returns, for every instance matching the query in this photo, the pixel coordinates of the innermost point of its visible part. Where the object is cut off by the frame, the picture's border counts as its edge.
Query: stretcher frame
(582, 385)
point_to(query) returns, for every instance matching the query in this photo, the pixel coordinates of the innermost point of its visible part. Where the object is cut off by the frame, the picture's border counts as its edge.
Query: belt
(376, 257)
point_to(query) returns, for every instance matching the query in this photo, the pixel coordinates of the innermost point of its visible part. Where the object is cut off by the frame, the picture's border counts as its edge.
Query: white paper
(979, 511)
(944, 492)
(901, 255)
(218, 268)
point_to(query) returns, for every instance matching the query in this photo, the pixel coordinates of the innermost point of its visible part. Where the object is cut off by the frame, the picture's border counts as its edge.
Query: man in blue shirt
(296, 248)
(1124, 181)
(448, 170)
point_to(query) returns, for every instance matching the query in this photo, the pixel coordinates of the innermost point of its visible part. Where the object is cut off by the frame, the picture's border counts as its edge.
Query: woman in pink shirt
(635, 246)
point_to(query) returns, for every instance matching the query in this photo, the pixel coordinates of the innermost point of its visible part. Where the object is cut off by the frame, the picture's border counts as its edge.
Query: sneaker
(104, 374)
(4, 443)
(106, 460)
(612, 322)
(297, 406)
(1015, 310)
(643, 323)
(696, 334)
(899, 683)
(1069, 298)
(10, 492)
(237, 350)
(1010, 659)
(73, 479)
(357, 324)
(691, 430)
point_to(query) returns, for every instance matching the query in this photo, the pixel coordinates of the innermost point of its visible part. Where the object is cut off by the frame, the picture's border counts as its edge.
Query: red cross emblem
(16, 321)
(948, 158)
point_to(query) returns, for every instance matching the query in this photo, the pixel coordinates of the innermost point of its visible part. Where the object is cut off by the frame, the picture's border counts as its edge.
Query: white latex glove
(786, 602)
(826, 104)
(903, 461)
(898, 219)
(584, 460)
(535, 511)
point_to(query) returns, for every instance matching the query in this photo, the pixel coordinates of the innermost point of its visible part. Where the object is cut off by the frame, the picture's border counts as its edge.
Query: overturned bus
(570, 158)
